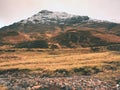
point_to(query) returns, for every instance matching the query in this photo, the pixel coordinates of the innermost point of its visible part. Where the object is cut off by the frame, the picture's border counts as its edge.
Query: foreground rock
(24, 81)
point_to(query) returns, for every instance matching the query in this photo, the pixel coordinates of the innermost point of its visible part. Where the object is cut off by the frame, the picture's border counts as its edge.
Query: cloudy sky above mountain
(14, 10)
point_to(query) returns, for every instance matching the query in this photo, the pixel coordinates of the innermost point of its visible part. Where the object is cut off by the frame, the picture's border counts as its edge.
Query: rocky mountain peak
(45, 12)
(47, 17)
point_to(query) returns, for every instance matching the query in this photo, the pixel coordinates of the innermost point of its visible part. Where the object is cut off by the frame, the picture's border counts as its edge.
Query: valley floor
(63, 69)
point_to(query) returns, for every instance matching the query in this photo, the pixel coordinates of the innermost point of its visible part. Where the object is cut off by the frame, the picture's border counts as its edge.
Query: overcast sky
(15, 10)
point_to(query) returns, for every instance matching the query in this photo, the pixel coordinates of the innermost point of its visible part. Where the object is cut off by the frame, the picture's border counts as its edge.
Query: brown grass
(63, 59)
(108, 37)
(3, 87)
(66, 59)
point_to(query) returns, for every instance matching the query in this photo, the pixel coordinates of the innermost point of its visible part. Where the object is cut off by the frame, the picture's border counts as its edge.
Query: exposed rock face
(48, 17)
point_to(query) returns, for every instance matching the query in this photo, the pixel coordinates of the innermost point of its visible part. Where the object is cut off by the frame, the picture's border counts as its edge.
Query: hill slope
(62, 28)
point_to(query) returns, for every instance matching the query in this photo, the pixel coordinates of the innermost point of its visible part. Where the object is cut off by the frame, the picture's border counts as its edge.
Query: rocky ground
(23, 81)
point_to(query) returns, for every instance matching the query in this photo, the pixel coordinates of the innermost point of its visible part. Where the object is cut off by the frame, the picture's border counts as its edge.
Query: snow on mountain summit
(46, 17)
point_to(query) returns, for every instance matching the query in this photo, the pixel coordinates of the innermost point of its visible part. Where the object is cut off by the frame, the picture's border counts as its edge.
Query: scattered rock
(25, 81)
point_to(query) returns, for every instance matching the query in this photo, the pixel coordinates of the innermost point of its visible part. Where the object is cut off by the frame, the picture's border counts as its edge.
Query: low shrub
(86, 70)
(108, 67)
(114, 47)
(14, 70)
(10, 50)
(61, 72)
(115, 63)
(33, 44)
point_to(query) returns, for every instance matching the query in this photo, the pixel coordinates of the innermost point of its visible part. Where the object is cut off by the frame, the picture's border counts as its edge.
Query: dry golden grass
(3, 87)
(65, 59)
(52, 60)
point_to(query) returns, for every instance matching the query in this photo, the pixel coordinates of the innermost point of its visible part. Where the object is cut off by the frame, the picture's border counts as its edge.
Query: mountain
(45, 20)
(59, 27)
(49, 17)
